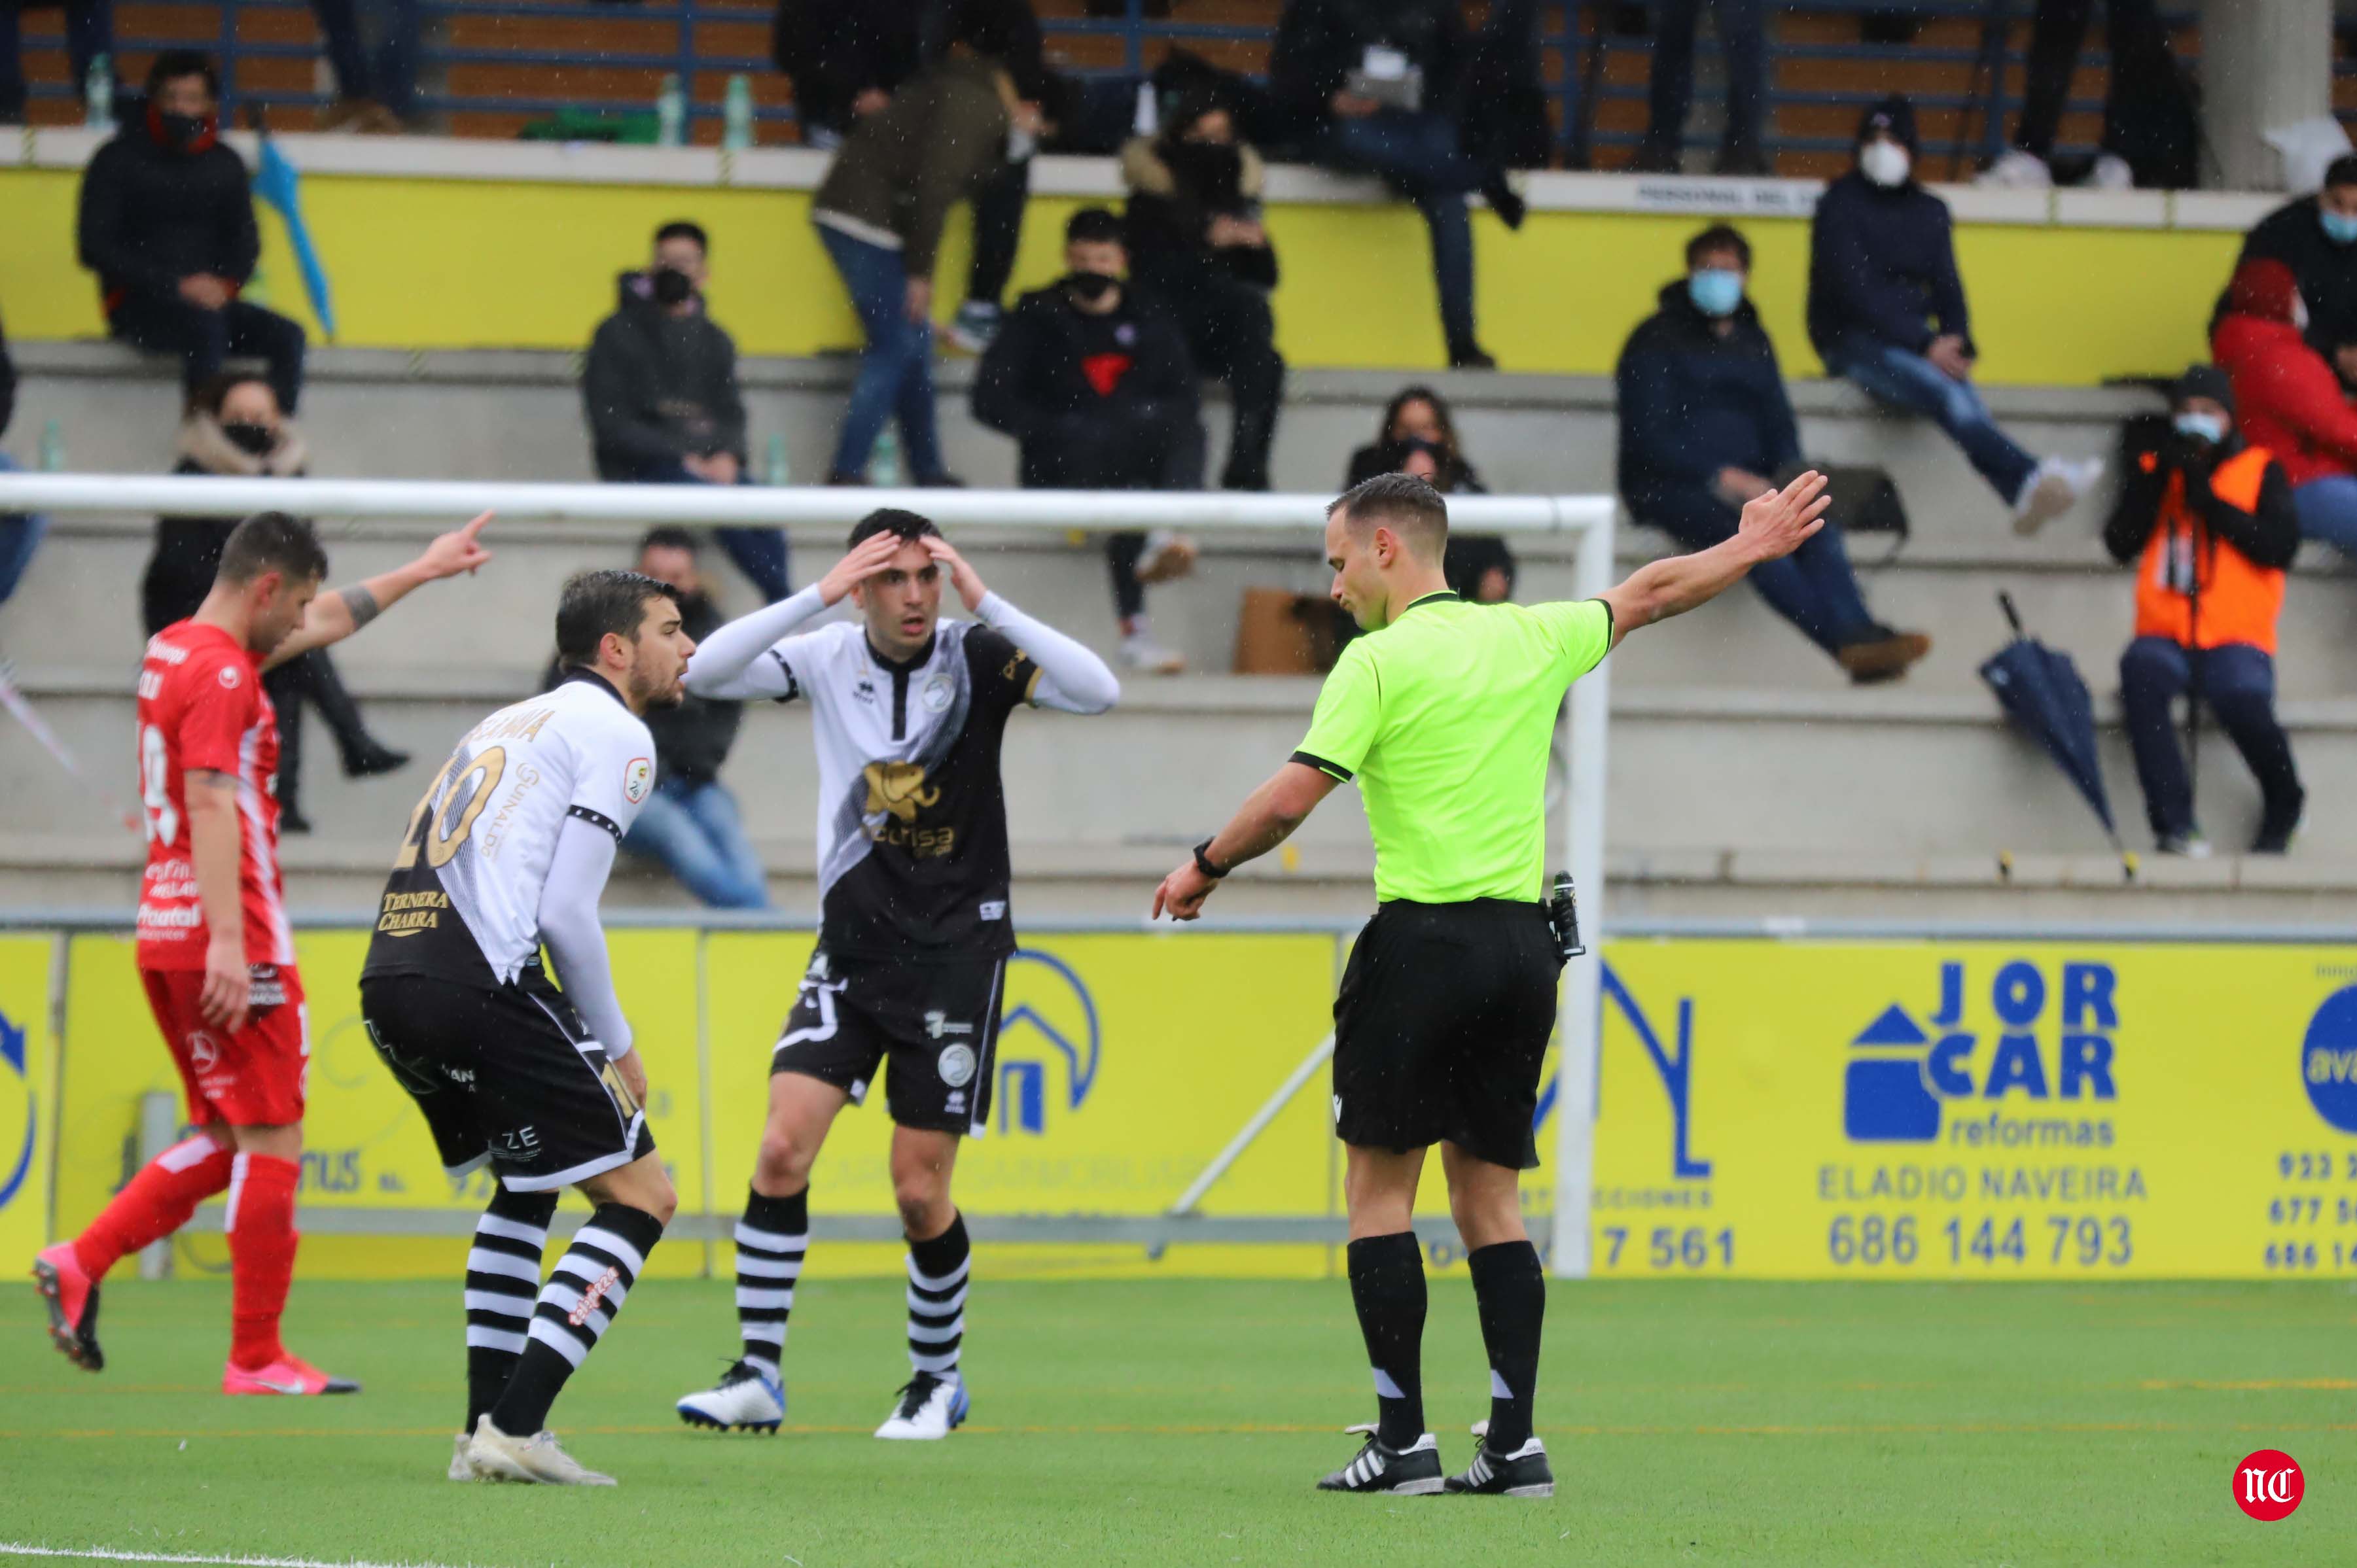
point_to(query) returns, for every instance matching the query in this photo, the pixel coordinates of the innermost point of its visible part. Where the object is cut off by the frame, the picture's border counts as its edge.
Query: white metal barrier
(1589, 518)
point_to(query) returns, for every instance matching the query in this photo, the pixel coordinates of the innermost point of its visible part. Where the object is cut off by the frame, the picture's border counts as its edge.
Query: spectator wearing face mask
(1418, 435)
(1097, 389)
(1705, 424)
(2316, 237)
(1195, 238)
(166, 222)
(2207, 519)
(234, 427)
(2292, 403)
(659, 387)
(1887, 312)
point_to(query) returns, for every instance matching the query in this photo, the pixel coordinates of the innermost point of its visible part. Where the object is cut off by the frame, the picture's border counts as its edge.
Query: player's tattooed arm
(336, 614)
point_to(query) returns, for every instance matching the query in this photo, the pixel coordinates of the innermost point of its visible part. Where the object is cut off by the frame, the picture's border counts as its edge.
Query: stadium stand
(490, 68)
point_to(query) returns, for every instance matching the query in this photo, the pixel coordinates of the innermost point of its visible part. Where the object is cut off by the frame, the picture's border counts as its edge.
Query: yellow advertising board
(27, 1094)
(1978, 1111)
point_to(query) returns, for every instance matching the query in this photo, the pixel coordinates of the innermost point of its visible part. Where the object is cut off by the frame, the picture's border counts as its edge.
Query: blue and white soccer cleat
(929, 1408)
(746, 1400)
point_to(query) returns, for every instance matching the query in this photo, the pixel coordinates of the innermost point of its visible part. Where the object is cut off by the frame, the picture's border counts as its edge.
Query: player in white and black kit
(915, 929)
(509, 850)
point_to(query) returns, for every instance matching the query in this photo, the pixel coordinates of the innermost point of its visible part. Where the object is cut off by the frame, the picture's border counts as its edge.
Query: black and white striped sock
(576, 1306)
(502, 1283)
(771, 1239)
(937, 1282)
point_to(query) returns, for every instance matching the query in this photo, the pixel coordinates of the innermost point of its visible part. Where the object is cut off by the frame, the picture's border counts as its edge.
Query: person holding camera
(2208, 518)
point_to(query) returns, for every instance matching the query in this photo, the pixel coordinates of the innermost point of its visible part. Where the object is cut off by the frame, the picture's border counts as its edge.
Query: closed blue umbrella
(2040, 688)
(278, 183)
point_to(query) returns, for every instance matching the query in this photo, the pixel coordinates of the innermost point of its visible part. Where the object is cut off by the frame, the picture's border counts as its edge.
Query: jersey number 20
(435, 831)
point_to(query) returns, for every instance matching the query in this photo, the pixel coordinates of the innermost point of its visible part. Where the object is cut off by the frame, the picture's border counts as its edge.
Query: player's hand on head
(460, 550)
(967, 581)
(1779, 523)
(866, 558)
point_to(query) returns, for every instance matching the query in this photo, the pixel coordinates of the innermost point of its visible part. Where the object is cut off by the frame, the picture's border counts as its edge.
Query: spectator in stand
(880, 210)
(1882, 273)
(90, 33)
(1706, 426)
(691, 822)
(848, 57)
(2316, 237)
(168, 225)
(1096, 388)
(659, 385)
(20, 532)
(373, 87)
(2291, 403)
(2207, 518)
(235, 428)
(1743, 35)
(1418, 435)
(2148, 118)
(1195, 241)
(1377, 83)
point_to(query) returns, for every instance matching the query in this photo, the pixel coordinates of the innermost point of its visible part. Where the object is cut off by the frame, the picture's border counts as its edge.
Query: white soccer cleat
(2054, 487)
(539, 1458)
(461, 1468)
(746, 1399)
(1147, 657)
(929, 1408)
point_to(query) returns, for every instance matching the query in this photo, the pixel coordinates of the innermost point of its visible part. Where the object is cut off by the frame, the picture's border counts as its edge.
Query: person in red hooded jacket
(2288, 399)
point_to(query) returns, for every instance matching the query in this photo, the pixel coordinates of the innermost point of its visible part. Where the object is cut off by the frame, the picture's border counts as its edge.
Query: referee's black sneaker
(1524, 1473)
(1413, 1471)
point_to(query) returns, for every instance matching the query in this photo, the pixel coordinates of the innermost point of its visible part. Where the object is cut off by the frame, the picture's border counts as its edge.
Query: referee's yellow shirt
(1444, 718)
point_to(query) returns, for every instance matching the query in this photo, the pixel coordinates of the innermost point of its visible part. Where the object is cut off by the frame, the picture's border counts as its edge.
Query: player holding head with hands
(215, 954)
(909, 711)
(509, 853)
(1445, 715)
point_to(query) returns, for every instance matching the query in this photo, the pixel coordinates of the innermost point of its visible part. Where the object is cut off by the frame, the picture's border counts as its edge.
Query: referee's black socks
(1510, 1288)
(577, 1305)
(1387, 1287)
(503, 1282)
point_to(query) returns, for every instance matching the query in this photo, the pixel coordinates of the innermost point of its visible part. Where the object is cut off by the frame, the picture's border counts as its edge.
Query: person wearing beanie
(1887, 312)
(2291, 403)
(2207, 518)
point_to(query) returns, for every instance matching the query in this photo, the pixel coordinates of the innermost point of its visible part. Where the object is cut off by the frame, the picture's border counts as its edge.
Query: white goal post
(1587, 519)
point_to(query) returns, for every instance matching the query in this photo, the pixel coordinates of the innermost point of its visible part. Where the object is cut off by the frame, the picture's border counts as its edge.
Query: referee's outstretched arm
(1387, 561)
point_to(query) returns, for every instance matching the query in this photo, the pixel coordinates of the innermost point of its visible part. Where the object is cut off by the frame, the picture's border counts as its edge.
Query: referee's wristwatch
(1203, 861)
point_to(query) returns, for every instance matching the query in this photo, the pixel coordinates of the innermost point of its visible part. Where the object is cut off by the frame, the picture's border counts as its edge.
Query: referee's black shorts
(1441, 1028)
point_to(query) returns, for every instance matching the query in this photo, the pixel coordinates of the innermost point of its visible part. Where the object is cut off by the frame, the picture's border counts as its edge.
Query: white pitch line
(109, 1554)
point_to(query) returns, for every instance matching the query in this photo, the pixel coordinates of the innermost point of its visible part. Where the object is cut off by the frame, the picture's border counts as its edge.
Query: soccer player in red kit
(215, 951)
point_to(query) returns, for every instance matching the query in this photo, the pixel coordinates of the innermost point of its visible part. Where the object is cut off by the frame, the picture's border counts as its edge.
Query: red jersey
(201, 705)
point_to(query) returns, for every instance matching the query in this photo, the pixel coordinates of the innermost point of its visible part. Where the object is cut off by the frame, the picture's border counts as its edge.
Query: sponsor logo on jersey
(992, 910)
(638, 778)
(938, 1025)
(406, 914)
(168, 653)
(864, 690)
(956, 1063)
(229, 677)
(937, 694)
(899, 787)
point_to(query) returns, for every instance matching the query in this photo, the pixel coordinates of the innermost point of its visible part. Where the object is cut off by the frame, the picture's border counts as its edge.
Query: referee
(1444, 716)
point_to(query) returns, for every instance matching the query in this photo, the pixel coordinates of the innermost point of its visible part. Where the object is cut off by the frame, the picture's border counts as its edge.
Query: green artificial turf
(1183, 1421)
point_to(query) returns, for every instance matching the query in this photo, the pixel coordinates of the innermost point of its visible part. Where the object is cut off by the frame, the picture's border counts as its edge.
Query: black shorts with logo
(936, 1024)
(1441, 1029)
(506, 1077)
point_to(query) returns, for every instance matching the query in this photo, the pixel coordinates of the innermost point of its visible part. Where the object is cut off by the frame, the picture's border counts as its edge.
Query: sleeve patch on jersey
(229, 677)
(638, 780)
(596, 819)
(1331, 769)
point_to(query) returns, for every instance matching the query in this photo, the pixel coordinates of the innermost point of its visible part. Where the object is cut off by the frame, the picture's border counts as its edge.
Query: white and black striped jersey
(463, 901)
(912, 810)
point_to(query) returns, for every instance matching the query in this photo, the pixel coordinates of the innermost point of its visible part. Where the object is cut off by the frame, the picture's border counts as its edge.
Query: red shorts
(255, 1078)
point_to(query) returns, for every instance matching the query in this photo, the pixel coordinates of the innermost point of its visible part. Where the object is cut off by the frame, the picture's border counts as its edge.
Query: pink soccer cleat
(287, 1375)
(73, 1298)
